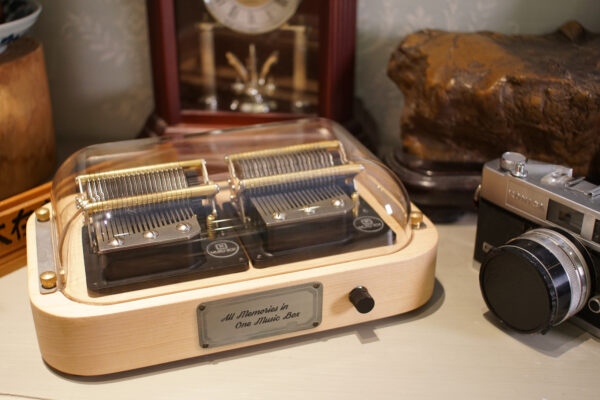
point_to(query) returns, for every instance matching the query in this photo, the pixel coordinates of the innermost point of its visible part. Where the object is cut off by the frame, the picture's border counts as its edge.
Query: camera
(538, 242)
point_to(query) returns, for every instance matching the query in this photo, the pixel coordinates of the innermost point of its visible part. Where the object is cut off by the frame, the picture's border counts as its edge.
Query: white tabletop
(450, 348)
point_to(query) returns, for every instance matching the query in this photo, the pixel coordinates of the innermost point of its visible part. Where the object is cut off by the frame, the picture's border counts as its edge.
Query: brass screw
(416, 219)
(337, 202)
(278, 216)
(210, 226)
(150, 234)
(42, 214)
(183, 227)
(48, 279)
(356, 202)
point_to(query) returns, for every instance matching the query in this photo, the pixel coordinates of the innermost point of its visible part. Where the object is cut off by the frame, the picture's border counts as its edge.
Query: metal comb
(294, 183)
(296, 192)
(161, 196)
(152, 225)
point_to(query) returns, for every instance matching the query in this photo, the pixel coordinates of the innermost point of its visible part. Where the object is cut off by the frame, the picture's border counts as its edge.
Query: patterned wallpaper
(99, 70)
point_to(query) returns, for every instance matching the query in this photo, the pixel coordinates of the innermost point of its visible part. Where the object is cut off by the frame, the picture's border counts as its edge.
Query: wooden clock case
(337, 19)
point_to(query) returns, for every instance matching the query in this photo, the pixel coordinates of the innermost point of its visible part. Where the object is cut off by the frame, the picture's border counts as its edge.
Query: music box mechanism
(227, 230)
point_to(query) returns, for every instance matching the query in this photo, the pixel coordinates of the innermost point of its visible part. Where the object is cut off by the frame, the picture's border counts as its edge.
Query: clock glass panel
(248, 56)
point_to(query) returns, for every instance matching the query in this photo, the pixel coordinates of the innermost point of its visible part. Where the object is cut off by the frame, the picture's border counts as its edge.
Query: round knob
(514, 163)
(536, 280)
(48, 279)
(361, 299)
(42, 214)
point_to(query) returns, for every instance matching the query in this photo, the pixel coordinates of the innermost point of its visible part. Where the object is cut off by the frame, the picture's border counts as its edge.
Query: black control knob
(361, 299)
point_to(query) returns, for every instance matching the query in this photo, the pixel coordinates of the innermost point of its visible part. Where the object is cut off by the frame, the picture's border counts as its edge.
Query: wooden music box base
(179, 321)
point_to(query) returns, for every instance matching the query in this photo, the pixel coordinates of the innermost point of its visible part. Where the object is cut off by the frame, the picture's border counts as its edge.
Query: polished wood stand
(79, 336)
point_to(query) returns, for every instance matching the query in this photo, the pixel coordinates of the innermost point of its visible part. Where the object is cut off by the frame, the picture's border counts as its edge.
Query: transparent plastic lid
(146, 217)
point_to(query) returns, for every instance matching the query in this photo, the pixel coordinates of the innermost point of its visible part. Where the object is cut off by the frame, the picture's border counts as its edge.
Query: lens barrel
(537, 280)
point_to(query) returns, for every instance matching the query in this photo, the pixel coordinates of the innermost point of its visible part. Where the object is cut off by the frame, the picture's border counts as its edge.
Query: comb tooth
(289, 200)
(173, 215)
(149, 183)
(162, 218)
(168, 181)
(181, 178)
(265, 205)
(313, 194)
(279, 202)
(104, 232)
(310, 196)
(113, 228)
(153, 219)
(122, 187)
(128, 225)
(305, 162)
(121, 223)
(131, 181)
(170, 215)
(295, 199)
(177, 213)
(285, 163)
(96, 197)
(177, 179)
(170, 178)
(153, 183)
(126, 185)
(94, 191)
(104, 189)
(146, 221)
(101, 190)
(136, 223)
(274, 166)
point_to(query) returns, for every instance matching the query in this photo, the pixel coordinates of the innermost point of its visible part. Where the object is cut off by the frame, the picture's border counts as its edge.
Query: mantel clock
(220, 63)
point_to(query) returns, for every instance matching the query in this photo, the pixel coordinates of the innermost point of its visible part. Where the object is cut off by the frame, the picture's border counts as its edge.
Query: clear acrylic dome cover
(145, 217)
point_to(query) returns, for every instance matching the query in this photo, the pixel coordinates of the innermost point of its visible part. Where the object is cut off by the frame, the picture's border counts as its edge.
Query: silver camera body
(538, 239)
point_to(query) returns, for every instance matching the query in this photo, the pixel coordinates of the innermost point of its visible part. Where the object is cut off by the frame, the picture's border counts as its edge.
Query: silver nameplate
(259, 315)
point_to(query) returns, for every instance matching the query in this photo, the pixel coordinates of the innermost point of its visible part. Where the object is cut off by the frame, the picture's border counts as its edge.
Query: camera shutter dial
(536, 280)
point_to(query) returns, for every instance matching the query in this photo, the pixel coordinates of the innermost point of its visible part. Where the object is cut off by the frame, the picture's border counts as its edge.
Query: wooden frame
(336, 70)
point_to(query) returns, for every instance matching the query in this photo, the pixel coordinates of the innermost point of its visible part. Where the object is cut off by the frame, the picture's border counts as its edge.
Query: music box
(162, 249)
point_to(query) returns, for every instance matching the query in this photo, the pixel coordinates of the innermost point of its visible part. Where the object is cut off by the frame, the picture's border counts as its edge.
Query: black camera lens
(536, 280)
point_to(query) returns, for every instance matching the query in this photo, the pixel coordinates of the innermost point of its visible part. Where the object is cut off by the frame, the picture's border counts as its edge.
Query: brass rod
(143, 199)
(338, 170)
(141, 170)
(326, 144)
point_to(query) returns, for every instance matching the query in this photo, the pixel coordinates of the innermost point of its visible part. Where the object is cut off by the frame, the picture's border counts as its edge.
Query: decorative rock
(471, 96)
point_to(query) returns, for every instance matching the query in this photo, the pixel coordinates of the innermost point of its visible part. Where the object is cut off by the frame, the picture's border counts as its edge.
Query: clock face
(252, 16)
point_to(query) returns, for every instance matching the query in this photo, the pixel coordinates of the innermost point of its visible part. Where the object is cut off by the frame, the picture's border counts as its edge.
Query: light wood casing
(83, 338)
